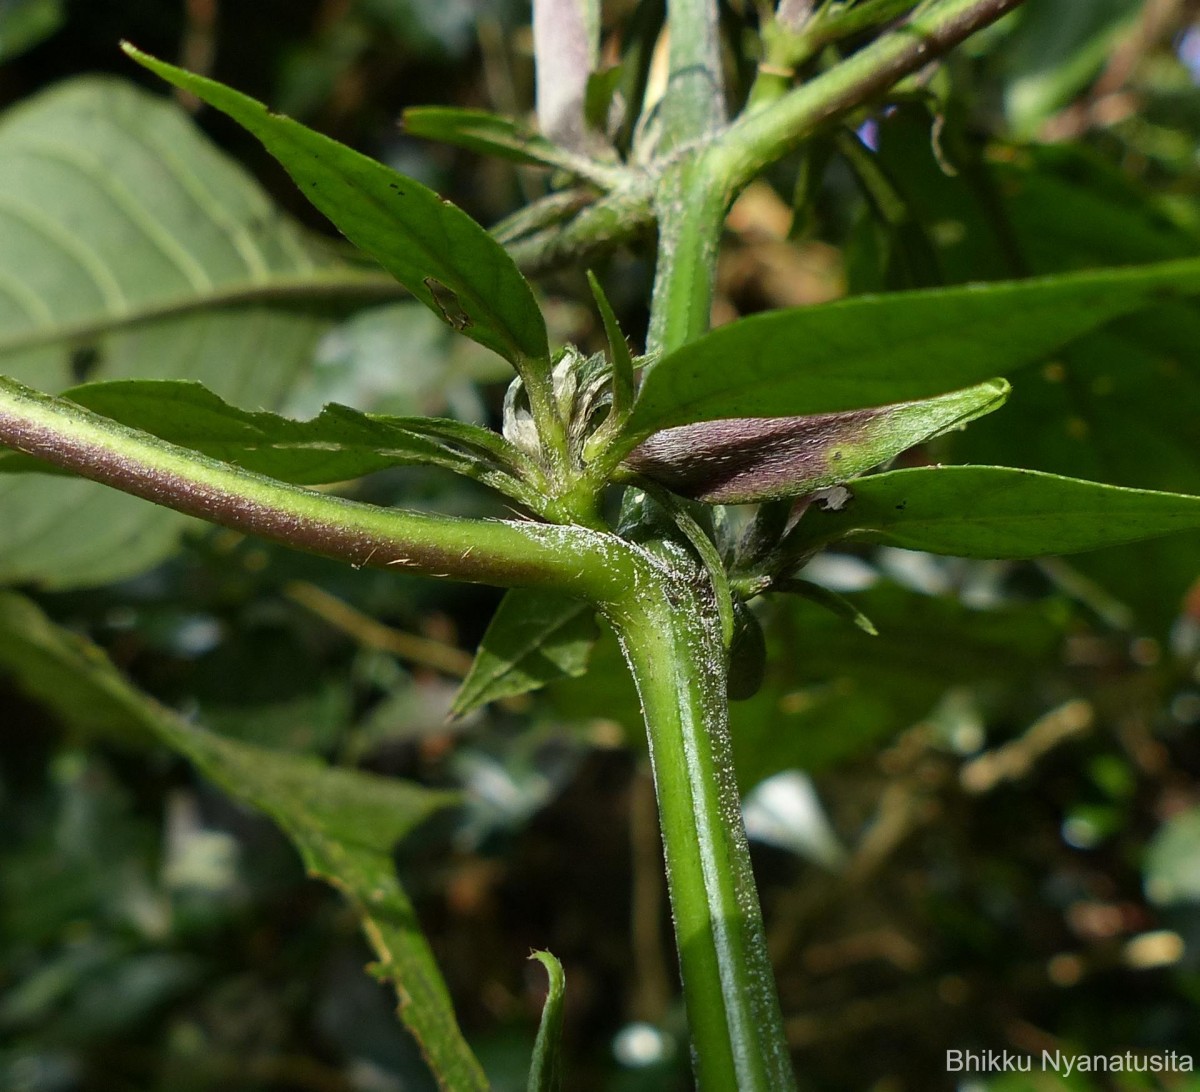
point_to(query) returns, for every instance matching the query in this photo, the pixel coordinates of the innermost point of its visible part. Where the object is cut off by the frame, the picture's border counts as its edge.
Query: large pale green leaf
(345, 823)
(433, 248)
(132, 247)
(339, 444)
(872, 350)
(998, 512)
(534, 638)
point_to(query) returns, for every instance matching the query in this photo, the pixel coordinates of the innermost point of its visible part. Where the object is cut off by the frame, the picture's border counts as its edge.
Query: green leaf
(1057, 51)
(545, 1074)
(26, 23)
(434, 249)
(340, 444)
(602, 86)
(872, 350)
(1118, 405)
(132, 247)
(345, 823)
(618, 352)
(534, 638)
(832, 601)
(833, 692)
(488, 134)
(997, 512)
(752, 459)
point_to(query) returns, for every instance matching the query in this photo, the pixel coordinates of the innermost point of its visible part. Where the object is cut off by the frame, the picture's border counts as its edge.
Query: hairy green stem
(672, 639)
(691, 211)
(760, 138)
(694, 105)
(591, 564)
(674, 642)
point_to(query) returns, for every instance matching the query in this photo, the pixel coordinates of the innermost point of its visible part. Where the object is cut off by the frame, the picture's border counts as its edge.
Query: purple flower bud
(743, 460)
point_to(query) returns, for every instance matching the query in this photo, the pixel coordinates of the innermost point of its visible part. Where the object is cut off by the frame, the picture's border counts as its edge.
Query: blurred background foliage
(979, 829)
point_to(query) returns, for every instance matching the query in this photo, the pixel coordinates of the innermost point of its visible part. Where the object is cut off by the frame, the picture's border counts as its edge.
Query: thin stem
(694, 104)
(671, 636)
(691, 210)
(591, 564)
(797, 34)
(759, 139)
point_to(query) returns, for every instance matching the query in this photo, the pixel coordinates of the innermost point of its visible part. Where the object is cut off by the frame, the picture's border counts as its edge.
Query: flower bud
(744, 460)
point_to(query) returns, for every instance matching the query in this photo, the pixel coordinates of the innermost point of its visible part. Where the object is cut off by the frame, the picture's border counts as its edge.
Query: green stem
(759, 139)
(590, 564)
(694, 104)
(672, 640)
(691, 211)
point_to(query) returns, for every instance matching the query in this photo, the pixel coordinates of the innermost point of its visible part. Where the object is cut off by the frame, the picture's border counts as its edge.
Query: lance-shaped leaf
(997, 512)
(751, 459)
(434, 249)
(339, 444)
(870, 350)
(490, 134)
(534, 638)
(345, 823)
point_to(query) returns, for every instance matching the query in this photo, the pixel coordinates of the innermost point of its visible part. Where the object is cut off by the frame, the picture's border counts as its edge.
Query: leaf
(834, 602)
(1054, 53)
(26, 23)
(545, 1074)
(1118, 405)
(442, 256)
(752, 459)
(488, 134)
(132, 247)
(833, 691)
(998, 512)
(341, 443)
(534, 638)
(618, 352)
(872, 350)
(345, 823)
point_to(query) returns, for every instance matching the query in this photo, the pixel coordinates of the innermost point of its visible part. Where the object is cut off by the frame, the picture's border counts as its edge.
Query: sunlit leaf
(873, 350)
